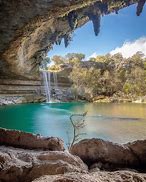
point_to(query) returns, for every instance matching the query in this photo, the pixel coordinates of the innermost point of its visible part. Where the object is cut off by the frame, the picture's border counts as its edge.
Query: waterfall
(48, 78)
(47, 84)
(55, 81)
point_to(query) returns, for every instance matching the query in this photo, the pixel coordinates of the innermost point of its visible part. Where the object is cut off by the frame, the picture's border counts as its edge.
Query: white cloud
(94, 55)
(128, 49)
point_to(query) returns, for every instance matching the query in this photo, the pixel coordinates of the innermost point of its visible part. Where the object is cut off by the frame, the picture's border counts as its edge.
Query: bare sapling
(78, 123)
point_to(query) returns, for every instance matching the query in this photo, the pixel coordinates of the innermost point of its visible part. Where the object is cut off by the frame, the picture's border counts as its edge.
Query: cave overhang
(29, 29)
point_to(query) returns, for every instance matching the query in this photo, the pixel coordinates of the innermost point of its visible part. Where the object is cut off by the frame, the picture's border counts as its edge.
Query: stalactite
(95, 18)
(127, 2)
(103, 7)
(96, 24)
(72, 19)
(67, 39)
(140, 7)
(58, 41)
(116, 10)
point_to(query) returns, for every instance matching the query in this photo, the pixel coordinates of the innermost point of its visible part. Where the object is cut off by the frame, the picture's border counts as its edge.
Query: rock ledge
(29, 141)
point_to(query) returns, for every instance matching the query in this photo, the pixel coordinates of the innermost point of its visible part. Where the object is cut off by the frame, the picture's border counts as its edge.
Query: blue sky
(114, 32)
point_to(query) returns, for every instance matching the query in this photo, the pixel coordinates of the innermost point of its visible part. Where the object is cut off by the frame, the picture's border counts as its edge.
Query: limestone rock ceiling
(29, 28)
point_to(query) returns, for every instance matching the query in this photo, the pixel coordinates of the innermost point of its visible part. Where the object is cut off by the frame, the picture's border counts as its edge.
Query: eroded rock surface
(29, 141)
(110, 156)
(17, 165)
(33, 159)
(118, 176)
(21, 99)
(138, 148)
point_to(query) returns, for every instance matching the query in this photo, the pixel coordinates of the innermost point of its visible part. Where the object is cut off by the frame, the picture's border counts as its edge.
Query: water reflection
(116, 122)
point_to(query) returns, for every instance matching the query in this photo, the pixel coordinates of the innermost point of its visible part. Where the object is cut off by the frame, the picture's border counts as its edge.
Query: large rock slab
(108, 155)
(17, 165)
(25, 140)
(138, 148)
(118, 176)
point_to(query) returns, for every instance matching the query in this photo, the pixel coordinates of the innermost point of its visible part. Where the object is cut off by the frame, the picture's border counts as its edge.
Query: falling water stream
(47, 84)
(55, 80)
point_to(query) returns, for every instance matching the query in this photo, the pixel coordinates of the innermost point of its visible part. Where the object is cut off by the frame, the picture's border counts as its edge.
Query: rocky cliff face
(29, 29)
(17, 91)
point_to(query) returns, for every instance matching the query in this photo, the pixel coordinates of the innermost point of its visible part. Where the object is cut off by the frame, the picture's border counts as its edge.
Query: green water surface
(115, 122)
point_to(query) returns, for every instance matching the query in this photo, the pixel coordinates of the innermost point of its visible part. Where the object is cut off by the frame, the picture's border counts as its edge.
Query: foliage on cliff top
(108, 75)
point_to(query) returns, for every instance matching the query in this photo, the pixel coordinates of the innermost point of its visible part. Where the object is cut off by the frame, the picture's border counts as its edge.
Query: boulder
(138, 148)
(26, 165)
(118, 176)
(111, 156)
(29, 141)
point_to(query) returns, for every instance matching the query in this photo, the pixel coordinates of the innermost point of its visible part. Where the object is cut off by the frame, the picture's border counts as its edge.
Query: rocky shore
(11, 100)
(119, 99)
(118, 176)
(27, 157)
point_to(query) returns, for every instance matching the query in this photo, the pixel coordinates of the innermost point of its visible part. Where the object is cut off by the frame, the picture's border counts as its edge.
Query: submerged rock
(118, 176)
(17, 165)
(111, 156)
(29, 141)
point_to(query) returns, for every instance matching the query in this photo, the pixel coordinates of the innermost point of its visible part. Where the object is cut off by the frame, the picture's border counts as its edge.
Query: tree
(92, 59)
(58, 59)
(136, 81)
(86, 80)
(110, 74)
(137, 59)
(118, 57)
(73, 58)
(77, 126)
(100, 59)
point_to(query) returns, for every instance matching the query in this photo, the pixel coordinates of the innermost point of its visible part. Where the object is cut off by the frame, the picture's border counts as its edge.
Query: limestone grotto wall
(16, 91)
(29, 29)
